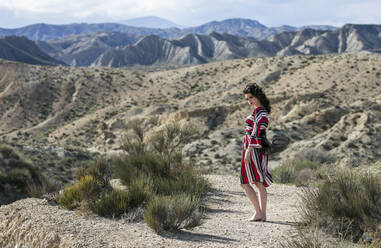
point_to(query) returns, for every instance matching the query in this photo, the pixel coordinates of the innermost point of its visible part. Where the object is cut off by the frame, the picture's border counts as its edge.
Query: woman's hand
(247, 154)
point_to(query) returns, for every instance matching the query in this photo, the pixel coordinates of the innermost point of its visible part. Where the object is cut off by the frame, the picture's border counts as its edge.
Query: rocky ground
(35, 223)
(328, 103)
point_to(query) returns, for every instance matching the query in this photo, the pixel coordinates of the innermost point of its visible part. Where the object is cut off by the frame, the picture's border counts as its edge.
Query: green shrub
(186, 181)
(107, 202)
(347, 199)
(19, 178)
(147, 164)
(159, 160)
(284, 174)
(93, 183)
(171, 213)
(70, 198)
(298, 172)
(89, 188)
(148, 167)
(316, 155)
(305, 164)
(138, 192)
(86, 189)
(111, 203)
(157, 156)
(100, 169)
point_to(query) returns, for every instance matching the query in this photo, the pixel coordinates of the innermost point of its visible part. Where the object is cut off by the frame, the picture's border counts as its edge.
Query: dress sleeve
(260, 124)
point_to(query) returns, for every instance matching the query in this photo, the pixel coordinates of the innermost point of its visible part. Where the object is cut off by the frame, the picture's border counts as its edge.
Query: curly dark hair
(257, 92)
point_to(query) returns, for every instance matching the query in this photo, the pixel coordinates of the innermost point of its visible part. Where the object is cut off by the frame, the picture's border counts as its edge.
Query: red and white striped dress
(257, 169)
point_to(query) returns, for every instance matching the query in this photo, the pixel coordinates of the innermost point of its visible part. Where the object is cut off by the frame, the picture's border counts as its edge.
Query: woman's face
(251, 100)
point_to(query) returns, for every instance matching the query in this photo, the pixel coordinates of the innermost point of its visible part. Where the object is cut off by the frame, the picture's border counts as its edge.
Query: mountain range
(237, 26)
(119, 49)
(229, 39)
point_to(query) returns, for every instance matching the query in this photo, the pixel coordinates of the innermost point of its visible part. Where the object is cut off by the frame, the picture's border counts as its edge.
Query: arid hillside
(329, 104)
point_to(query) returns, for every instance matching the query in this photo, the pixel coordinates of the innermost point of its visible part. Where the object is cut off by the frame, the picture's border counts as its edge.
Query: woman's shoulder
(260, 110)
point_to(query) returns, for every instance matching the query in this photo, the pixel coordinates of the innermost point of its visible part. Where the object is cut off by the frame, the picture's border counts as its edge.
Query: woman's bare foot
(258, 217)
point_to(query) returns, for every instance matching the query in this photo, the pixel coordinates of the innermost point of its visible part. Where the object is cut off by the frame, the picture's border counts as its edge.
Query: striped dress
(257, 169)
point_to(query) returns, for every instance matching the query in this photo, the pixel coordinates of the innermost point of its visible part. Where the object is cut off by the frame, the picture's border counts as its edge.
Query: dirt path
(227, 222)
(34, 220)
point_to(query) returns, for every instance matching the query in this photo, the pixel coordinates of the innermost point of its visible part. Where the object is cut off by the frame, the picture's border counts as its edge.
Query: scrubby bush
(298, 172)
(307, 167)
(154, 171)
(284, 174)
(93, 187)
(86, 189)
(348, 200)
(111, 203)
(70, 198)
(159, 160)
(19, 178)
(316, 155)
(100, 169)
(186, 180)
(170, 213)
(138, 192)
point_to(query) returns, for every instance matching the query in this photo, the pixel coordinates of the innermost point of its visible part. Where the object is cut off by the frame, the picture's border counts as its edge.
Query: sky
(272, 13)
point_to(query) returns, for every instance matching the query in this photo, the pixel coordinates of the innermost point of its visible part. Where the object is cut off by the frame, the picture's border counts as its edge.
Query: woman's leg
(250, 193)
(262, 197)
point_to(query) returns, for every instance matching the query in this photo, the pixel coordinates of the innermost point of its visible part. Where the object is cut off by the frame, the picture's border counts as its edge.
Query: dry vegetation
(330, 103)
(326, 108)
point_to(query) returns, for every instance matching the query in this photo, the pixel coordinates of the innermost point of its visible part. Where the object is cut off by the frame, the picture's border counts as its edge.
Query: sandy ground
(226, 224)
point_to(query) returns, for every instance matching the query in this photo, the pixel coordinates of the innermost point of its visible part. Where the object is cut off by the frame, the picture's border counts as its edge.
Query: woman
(254, 163)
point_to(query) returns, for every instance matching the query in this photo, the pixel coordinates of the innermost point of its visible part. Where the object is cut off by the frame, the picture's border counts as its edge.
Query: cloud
(90, 7)
(192, 12)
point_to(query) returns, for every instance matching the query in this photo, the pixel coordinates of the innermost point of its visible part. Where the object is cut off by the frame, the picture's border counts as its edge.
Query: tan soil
(35, 223)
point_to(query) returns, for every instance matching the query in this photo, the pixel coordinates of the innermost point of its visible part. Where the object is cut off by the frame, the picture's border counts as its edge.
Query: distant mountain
(149, 50)
(23, 50)
(151, 22)
(83, 50)
(190, 49)
(319, 27)
(88, 50)
(285, 28)
(237, 26)
(49, 32)
(119, 50)
(351, 38)
(241, 27)
(248, 28)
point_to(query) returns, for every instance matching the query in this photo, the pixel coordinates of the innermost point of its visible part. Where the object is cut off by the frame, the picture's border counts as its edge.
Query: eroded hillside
(331, 103)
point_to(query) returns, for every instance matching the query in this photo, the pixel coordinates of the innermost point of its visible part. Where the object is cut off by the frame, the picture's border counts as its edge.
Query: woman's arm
(260, 124)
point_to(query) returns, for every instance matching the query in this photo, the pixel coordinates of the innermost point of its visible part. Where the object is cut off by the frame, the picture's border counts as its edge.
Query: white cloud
(76, 7)
(192, 12)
